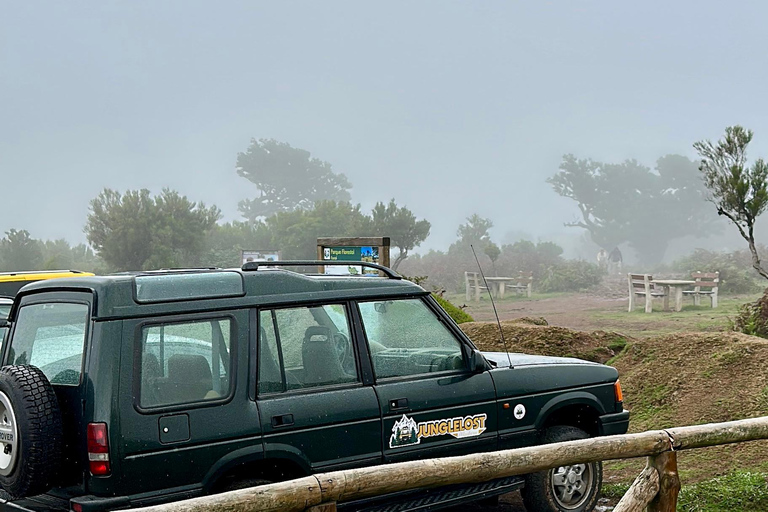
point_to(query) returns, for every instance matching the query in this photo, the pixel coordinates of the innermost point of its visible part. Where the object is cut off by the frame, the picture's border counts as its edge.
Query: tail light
(98, 449)
(617, 391)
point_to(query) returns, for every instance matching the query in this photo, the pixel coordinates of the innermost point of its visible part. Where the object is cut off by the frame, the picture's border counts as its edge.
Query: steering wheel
(343, 348)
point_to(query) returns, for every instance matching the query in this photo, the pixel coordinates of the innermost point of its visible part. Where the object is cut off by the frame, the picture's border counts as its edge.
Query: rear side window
(51, 337)
(185, 362)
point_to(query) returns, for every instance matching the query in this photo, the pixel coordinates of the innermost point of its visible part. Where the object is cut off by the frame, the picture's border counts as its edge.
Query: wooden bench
(524, 283)
(473, 286)
(707, 284)
(640, 285)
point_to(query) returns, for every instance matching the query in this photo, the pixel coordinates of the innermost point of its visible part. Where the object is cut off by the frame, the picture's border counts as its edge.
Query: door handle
(283, 420)
(398, 404)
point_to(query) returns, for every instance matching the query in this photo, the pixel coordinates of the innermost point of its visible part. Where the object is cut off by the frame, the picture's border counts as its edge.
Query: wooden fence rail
(656, 488)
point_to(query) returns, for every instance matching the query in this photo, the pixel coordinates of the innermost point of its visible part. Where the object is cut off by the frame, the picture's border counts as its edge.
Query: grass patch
(614, 491)
(691, 318)
(738, 491)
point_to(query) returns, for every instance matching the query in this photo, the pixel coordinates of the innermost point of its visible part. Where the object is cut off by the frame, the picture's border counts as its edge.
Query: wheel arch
(577, 409)
(251, 463)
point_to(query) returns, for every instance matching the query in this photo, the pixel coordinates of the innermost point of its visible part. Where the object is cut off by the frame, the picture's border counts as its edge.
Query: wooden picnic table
(673, 286)
(498, 285)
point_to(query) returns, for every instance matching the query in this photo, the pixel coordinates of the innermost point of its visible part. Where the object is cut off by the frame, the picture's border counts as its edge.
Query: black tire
(539, 493)
(29, 410)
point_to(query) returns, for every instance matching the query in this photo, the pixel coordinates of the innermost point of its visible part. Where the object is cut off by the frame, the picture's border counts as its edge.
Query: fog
(451, 108)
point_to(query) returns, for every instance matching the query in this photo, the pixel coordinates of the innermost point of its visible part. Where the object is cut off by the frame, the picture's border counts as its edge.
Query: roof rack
(254, 265)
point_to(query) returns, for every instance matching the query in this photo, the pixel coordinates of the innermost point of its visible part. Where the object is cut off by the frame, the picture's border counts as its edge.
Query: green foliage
(737, 491)
(401, 225)
(459, 315)
(136, 231)
(739, 192)
(571, 275)
(19, 251)
(295, 233)
(474, 232)
(752, 318)
(736, 273)
(224, 242)
(492, 251)
(527, 256)
(287, 179)
(628, 202)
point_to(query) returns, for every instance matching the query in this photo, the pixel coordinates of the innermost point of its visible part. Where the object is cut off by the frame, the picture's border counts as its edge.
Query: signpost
(368, 249)
(247, 256)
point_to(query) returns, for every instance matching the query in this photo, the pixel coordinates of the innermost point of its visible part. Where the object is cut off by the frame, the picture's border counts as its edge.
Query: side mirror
(477, 363)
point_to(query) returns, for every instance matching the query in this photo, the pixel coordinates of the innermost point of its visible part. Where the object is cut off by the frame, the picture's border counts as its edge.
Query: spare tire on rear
(31, 432)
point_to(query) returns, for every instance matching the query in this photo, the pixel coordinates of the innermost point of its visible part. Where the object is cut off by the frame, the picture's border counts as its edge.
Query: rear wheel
(573, 488)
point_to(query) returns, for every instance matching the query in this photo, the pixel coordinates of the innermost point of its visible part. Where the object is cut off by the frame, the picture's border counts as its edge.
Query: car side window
(405, 337)
(305, 347)
(51, 337)
(185, 362)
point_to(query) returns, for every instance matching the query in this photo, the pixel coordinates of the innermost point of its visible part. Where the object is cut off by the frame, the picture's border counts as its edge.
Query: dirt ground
(690, 347)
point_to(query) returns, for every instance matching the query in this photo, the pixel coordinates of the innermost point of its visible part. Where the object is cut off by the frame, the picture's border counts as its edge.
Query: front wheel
(573, 488)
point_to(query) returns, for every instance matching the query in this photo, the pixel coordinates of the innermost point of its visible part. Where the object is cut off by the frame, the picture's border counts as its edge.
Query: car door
(186, 403)
(316, 408)
(432, 404)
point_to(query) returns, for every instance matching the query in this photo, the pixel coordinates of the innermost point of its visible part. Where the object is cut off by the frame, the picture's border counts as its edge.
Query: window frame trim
(175, 320)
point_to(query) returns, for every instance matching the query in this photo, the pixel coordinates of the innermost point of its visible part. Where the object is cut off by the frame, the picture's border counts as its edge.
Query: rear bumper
(612, 424)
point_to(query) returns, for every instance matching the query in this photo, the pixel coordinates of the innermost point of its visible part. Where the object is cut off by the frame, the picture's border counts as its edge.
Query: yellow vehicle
(11, 282)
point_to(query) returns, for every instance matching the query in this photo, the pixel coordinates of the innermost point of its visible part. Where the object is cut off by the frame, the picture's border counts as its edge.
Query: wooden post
(477, 287)
(669, 482)
(468, 287)
(678, 297)
(340, 486)
(631, 293)
(648, 296)
(643, 490)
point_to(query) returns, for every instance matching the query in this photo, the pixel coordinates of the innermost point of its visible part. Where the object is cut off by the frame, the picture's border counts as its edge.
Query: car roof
(116, 295)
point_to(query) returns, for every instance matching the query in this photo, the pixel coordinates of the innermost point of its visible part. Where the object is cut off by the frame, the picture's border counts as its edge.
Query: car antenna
(498, 322)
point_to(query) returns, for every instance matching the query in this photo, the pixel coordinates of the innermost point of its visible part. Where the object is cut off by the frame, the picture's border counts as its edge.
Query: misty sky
(450, 108)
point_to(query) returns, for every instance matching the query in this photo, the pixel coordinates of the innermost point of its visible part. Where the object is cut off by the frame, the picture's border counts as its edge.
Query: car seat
(189, 379)
(321, 358)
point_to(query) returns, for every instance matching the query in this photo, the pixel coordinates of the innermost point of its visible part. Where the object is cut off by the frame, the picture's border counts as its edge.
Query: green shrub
(736, 272)
(571, 275)
(459, 315)
(752, 317)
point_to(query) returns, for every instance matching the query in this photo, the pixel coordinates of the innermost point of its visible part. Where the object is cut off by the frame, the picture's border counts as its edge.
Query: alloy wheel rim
(571, 485)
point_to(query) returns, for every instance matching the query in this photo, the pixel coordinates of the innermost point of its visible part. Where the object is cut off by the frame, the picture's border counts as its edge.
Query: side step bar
(424, 500)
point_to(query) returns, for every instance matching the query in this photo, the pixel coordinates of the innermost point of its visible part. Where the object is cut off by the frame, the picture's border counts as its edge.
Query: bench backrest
(706, 279)
(639, 282)
(524, 277)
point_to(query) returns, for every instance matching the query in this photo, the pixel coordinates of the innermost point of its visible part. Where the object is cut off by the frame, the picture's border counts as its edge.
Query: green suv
(129, 390)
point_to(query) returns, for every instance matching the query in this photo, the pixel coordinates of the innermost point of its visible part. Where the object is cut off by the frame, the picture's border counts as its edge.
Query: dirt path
(570, 311)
